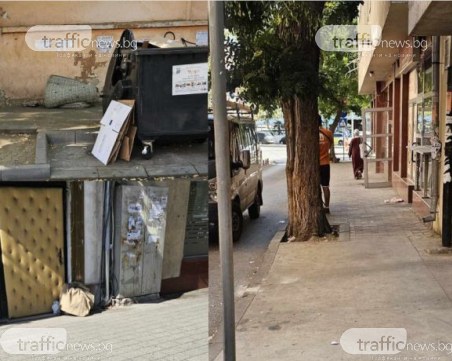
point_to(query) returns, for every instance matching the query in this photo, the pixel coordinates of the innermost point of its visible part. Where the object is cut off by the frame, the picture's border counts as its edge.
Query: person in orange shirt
(326, 140)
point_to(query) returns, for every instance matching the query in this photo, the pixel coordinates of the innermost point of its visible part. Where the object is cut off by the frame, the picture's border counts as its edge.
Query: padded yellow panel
(32, 239)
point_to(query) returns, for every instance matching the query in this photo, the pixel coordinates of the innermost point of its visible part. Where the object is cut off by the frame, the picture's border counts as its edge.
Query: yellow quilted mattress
(32, 248)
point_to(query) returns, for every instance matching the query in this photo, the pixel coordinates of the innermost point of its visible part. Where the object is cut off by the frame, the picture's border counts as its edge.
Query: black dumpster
(169, 86)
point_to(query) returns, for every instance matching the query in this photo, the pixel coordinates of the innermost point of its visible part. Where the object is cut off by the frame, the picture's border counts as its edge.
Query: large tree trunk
(302, 169)
(300, 111)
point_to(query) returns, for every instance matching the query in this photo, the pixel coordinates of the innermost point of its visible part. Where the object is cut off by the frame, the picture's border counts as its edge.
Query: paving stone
(382, 277)
(139, 332)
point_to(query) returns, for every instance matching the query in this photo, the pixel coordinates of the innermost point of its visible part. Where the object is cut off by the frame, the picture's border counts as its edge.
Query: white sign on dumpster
(112, 124)
(202, 38)
(190, 79)
(104, 43)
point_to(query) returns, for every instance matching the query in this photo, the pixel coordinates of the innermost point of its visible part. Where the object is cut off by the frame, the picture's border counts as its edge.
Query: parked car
(265, 137)
(279, 136)
(340, 139)
(246, 174)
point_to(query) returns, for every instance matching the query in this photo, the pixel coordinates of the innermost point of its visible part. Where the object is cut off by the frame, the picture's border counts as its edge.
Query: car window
(251, 141)
(244, 137)
(235, 143)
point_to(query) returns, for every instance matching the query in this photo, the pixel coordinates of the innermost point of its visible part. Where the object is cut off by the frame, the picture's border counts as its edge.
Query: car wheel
(255, 209)
(237, 222)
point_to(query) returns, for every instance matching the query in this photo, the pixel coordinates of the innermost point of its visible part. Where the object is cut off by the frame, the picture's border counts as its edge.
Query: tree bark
(302, 169)
(300, 112)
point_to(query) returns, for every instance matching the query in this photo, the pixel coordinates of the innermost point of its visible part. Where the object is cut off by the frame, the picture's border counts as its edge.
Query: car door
(253, 173)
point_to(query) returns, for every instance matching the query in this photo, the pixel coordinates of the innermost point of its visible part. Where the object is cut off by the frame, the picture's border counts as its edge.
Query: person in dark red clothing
(355, 153)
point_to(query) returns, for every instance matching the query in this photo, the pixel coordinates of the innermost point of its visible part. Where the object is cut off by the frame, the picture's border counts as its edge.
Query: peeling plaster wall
(24, 72)
(30, 13)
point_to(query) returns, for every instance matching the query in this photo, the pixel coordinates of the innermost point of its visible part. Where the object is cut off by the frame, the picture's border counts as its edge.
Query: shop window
(422, 129)
(428, 80)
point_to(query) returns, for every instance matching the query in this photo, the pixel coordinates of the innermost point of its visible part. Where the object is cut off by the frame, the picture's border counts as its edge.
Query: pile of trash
(75, 299)
(393, 200)
(69, 93)
(120, 301)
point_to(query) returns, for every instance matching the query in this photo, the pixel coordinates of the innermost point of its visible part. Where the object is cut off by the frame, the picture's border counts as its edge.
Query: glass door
(377, 147)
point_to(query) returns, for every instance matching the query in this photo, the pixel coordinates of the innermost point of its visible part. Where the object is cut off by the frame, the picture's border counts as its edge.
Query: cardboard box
(114, 126)
(127, 144)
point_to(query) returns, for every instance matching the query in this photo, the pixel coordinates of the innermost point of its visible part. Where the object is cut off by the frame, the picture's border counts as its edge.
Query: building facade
(25, 72)
(118, 228)
(407, 75)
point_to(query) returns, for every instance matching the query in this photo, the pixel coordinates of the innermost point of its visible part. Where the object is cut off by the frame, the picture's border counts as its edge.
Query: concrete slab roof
(375, 65)
(430, 18)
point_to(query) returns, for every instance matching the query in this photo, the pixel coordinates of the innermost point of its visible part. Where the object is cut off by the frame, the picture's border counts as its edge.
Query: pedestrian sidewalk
(172, 330)
(381, 272)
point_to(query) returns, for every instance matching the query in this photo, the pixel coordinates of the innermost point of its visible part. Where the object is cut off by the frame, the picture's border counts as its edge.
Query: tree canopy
(339, 90)
(265, 55)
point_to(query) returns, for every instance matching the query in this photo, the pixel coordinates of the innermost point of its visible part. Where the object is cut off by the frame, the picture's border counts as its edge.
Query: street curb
(33, 172)
(72, 137)
(86, 137)
(31, 131)
(243, 303)
(269, 258)
(41, 148)
(61, 137)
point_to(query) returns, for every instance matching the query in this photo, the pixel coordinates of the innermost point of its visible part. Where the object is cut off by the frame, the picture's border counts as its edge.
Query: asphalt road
(250, 249)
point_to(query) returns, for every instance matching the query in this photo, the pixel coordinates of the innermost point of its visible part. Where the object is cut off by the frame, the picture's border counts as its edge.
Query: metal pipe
(216, 32)
(107, 233)
(69, 232)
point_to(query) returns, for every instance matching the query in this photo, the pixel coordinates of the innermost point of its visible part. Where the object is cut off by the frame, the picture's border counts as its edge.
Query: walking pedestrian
(326, 140)
(354, 151)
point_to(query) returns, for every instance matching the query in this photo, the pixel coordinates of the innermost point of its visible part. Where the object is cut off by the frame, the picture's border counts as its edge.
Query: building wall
(437, 225)
(30, 13)
(24, 72)
(429, 18)
(370, 13)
